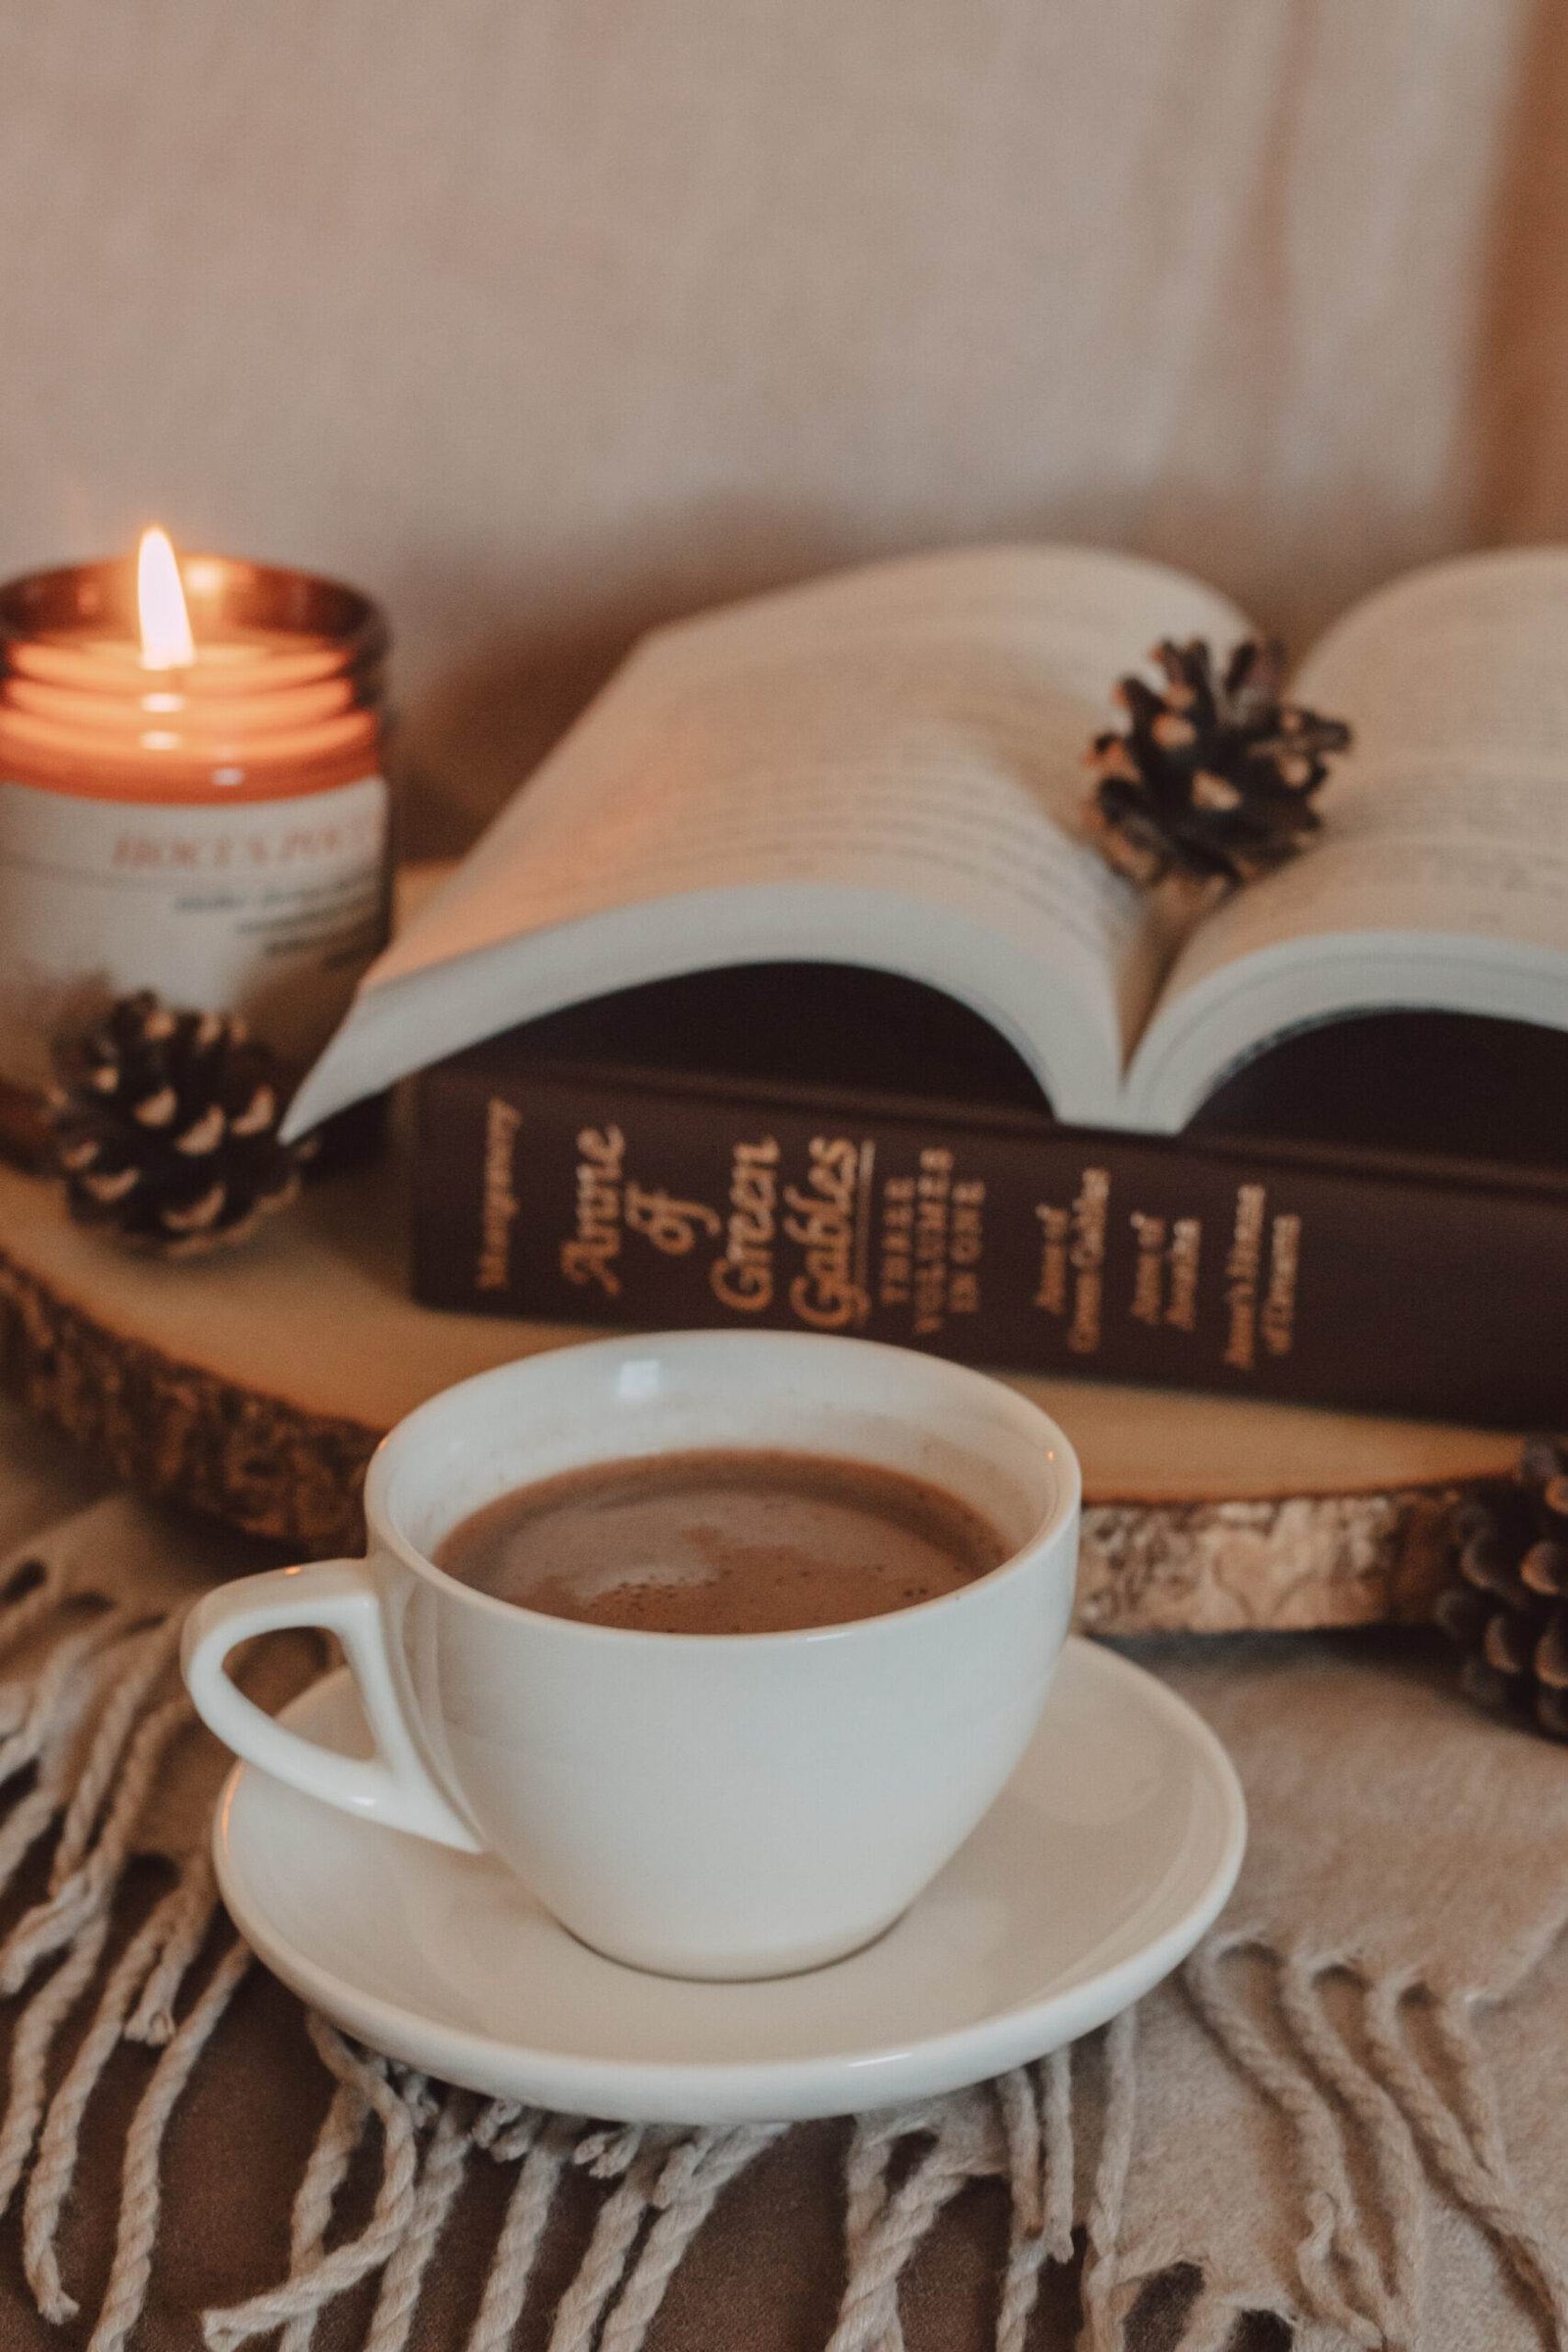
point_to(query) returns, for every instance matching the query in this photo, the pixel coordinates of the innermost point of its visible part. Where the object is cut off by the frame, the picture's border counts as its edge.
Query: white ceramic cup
(704, 1805)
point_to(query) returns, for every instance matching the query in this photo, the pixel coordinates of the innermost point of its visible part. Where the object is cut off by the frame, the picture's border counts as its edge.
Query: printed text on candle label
(272, 908)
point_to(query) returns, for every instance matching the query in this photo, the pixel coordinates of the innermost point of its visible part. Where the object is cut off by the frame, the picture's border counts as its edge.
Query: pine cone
(1507, 1608)
(1213, 779)
(166, 1127)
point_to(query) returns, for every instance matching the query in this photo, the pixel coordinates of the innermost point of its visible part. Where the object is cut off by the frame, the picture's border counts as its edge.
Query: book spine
(561, 1197)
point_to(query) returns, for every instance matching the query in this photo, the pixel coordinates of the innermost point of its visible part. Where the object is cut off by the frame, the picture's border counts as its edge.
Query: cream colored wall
(545, 317)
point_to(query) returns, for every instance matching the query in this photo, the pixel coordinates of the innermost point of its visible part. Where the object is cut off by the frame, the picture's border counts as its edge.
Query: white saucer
(1110, 1851)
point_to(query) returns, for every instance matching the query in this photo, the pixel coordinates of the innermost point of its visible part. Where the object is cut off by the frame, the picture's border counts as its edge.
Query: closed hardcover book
(815, 1150)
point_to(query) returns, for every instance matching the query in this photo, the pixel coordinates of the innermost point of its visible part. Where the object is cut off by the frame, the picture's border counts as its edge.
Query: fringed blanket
(1350, 2113)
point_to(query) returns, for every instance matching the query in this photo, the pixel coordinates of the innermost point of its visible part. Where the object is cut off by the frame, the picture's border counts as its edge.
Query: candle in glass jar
(191, 797)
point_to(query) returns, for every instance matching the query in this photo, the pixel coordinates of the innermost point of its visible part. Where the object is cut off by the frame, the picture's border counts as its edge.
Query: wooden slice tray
(254, 1387)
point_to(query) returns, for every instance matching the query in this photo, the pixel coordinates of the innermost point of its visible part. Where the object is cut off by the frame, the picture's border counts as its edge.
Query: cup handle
(340, 1596)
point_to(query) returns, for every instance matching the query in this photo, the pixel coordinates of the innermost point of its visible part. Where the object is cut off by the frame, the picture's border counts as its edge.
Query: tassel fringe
(1325, 2088)
(90, 1710)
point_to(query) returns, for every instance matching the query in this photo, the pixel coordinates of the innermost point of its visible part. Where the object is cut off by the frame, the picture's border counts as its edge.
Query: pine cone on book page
(1505, 1608)
(1214, 777)
(166, 1127)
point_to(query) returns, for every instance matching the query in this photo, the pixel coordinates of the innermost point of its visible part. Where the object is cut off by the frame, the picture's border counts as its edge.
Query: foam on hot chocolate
(722, 1542)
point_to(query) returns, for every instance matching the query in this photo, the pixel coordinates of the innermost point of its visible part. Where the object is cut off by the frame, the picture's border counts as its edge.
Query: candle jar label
(268, 907)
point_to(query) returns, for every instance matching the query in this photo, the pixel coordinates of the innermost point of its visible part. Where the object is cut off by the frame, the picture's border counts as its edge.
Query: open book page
(883, 768)
(1440, 878)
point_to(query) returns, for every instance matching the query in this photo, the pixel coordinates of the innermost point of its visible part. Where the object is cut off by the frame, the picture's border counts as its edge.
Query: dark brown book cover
(686, 1181)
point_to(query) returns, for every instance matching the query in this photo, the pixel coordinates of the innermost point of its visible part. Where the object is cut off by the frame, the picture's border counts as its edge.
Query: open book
(885, 768)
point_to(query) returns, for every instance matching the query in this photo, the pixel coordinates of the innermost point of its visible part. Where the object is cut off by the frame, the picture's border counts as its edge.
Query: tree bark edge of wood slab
(183, 1434)
(179, 1432)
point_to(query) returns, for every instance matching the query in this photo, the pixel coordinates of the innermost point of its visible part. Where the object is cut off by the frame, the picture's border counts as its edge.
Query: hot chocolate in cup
(720, 1804)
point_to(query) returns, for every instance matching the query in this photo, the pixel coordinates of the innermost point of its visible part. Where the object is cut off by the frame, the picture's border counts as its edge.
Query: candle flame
(166, 638)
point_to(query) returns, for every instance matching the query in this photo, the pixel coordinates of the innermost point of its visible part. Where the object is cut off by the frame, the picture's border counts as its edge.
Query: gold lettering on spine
(1055, 1232)
(1087, 1257)
(1241, 1267)
(590, 1254)
(498, 1208)
(1279, 1303)
(672, 1226)
(897, 1274)
(743, 1278)
(933, 1190)
(1182, 1262)
(1149, 1275)
(966, 1246)
(822, 1220)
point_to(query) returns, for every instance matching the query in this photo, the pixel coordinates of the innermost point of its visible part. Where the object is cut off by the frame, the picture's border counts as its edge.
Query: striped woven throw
(1348, 2114)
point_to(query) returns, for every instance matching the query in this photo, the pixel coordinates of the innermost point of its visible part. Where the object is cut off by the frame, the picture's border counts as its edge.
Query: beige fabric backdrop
(547, 318)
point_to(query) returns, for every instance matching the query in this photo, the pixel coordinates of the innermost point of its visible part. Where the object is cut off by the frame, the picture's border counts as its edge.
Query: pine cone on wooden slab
(1213, 779)
(166, 1127)
(1506, 1606)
